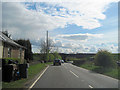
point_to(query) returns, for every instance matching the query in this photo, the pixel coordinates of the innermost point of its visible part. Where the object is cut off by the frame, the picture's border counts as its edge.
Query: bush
(57, 56)
(47, 57)
(51, 57)
(13, 59)
(104, 58)
(100, 69)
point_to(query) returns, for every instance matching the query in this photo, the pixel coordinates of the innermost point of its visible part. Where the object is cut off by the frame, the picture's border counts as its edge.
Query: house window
(9, 52)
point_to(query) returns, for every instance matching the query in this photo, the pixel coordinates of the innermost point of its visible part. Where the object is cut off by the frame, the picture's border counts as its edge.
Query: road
(70, 76)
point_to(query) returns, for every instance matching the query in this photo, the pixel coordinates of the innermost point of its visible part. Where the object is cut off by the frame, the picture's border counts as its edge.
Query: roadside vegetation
(37, 61)
(104, 62)
(13, 59)
(104, 59)
(74, 58)
(33, 70)
(50, 57)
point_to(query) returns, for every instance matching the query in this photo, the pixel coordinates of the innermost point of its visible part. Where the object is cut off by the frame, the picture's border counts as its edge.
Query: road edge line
(74, 74)
(97, 73)
(90, 86)
(38, 77)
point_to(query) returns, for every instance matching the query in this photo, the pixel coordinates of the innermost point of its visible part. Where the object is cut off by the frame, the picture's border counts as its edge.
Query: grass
(89, 66)
(112, 72)
(33, 70)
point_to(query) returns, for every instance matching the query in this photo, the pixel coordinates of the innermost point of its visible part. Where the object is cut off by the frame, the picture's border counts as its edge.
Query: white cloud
(60, 1)
(110, 47)
(77, 47)
(93, 49)
(24, 23)
(80, 37)
(18, 19)
(65, 50)
(58, 43)
(85, 13)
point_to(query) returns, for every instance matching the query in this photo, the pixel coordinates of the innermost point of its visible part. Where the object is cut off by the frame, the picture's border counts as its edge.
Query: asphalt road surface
(70, 76)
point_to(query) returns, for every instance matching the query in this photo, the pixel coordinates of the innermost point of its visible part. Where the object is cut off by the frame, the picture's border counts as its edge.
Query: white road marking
(74, 74)
(90, 86)
(38, 78)
(89, 70)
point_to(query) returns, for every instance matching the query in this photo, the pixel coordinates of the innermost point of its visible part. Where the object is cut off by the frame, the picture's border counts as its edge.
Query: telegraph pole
(47, 41)
(47, 46)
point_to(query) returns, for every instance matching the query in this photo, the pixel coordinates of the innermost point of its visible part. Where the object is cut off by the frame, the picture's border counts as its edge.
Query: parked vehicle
(57, 62)
(62, 61)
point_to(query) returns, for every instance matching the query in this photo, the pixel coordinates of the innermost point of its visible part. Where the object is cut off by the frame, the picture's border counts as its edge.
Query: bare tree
(42, 46)
(46, 47)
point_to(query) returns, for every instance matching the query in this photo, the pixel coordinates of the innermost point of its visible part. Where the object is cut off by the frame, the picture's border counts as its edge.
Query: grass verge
(33, 70)
(112, 72)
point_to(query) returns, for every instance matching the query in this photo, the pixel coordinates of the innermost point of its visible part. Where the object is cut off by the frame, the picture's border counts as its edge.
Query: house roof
(4, 38)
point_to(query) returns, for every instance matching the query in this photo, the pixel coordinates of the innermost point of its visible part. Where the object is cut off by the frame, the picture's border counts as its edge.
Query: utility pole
(47, 41)
(47, 46)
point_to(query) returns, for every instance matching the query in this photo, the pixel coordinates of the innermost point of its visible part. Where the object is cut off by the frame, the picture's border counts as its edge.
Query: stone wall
(15, 53)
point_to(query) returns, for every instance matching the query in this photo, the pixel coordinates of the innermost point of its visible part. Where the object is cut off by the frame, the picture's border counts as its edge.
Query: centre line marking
(38, 78)
(90, 86)
(74, 74)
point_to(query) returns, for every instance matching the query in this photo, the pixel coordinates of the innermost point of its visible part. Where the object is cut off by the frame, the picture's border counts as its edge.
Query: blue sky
(107, 26)
(75, 27)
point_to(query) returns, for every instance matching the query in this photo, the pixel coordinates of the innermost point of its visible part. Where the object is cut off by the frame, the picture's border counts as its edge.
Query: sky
(81, 26)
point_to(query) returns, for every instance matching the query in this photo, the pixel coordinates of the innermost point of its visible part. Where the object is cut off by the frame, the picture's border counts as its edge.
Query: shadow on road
(54, 65)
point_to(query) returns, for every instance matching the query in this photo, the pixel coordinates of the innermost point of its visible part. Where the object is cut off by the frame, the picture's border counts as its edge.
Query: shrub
(104, 58)
(14, 59)
(57, 56)
(51, 57)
